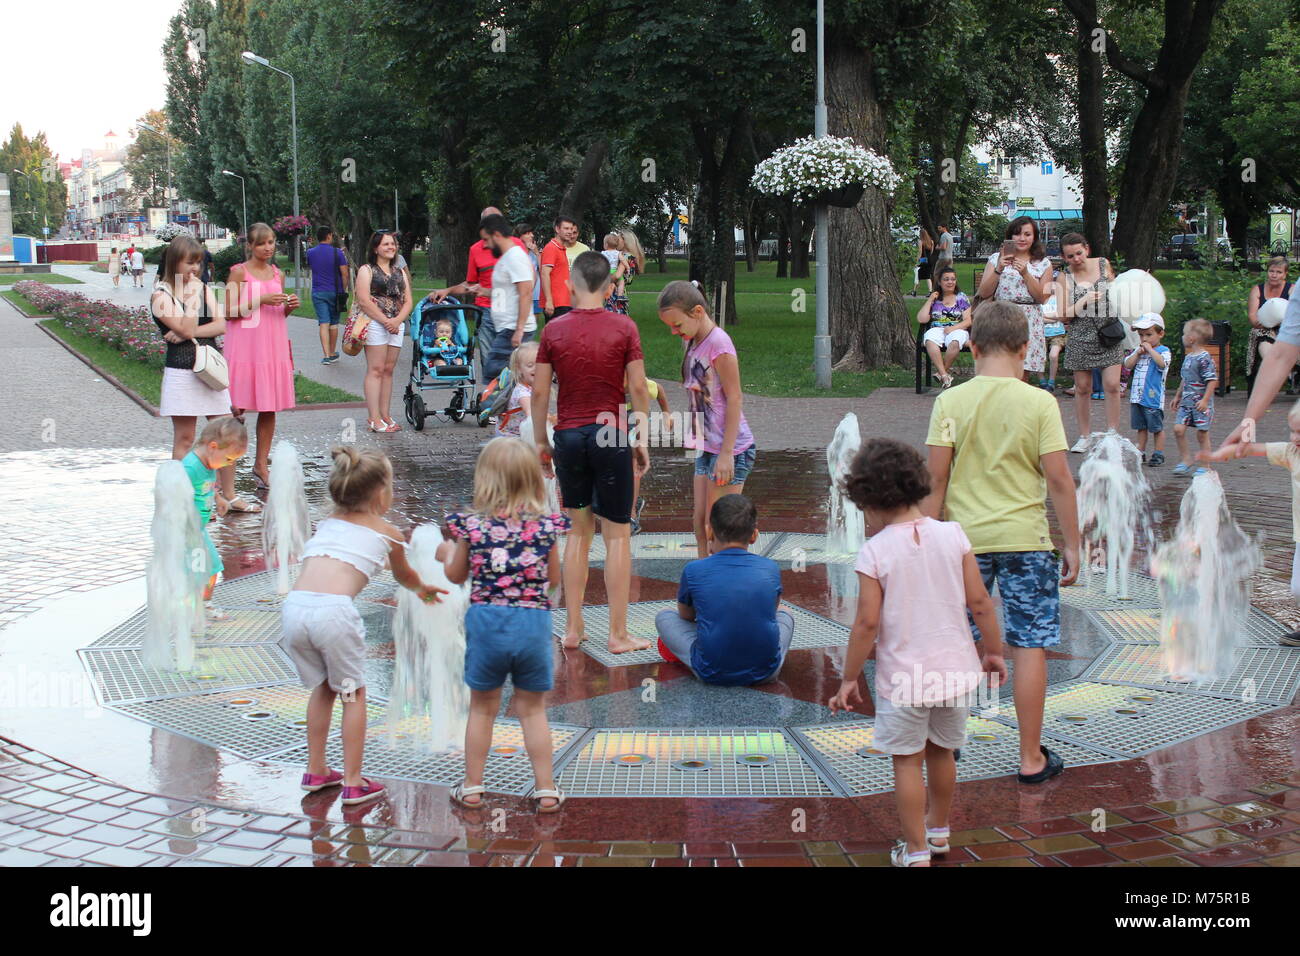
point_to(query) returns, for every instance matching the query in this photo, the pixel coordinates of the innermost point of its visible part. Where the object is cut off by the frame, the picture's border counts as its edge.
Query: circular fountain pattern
(243, 696)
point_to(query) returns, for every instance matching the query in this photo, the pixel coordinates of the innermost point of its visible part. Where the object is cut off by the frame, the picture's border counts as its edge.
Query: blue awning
(1051, 213)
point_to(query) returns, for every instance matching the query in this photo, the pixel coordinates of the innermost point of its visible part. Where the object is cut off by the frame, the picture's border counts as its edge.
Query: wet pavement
(81, 784)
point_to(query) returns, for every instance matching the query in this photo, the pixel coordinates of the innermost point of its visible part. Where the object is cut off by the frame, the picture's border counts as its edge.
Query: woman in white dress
(1015, 274)
(186, 313)
(114, 267)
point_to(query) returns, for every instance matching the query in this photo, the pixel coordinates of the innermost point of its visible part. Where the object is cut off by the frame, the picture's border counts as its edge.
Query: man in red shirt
(590, 351)
(478, 272)
(554, 271)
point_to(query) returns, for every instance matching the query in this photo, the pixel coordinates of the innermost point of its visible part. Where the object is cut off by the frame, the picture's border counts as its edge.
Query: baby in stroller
(440, 348)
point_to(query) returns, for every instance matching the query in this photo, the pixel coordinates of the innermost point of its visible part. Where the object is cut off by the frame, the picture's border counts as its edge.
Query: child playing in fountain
(321, 630)
(223, 442)
(506, 546)
(996, 446)
(1147, 397)
(918, 576)
(1287, 455)
(728, 627)
(1196, 400)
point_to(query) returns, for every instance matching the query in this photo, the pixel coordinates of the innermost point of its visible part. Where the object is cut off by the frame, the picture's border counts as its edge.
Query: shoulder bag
(340, 297)
(354, 332)
(209, 364)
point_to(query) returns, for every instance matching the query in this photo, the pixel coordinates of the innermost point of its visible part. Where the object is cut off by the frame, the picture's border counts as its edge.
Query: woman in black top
(186, 313)
(1275, 287)
(384, 295)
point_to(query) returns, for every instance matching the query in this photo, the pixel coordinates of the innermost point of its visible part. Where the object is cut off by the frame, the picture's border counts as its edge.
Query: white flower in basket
(818, 169)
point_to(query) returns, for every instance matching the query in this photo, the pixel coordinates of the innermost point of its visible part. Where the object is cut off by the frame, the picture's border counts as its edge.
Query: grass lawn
(21, 301)
(147, 382)
(52, 278)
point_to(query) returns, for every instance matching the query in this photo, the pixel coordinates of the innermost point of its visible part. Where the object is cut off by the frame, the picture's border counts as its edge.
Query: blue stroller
(439, 363)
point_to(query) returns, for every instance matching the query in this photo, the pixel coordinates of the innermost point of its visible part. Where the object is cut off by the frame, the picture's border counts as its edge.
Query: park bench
(924, 364)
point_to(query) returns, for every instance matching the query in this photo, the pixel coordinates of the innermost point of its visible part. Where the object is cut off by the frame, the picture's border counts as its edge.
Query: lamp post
(822, 337)
(253, 58)
(46, 215)
(168, 141)
(243, 196)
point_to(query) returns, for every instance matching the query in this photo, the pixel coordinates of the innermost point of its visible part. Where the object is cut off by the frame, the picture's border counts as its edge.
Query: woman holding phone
(257, 342)
(1015, 274)
(384, 295)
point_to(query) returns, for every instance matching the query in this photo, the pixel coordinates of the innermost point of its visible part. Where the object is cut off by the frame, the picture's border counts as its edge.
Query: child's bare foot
(571, 640)
(623, 643)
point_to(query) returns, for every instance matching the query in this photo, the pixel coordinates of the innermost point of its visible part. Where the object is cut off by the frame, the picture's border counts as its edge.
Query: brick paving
(76, 517)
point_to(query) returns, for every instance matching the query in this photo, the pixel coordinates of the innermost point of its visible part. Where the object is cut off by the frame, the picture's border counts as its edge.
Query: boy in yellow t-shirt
(997, 446)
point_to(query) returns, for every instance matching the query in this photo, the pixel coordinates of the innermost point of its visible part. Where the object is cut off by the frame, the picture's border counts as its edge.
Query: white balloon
(1134, 293)
(1271, 312)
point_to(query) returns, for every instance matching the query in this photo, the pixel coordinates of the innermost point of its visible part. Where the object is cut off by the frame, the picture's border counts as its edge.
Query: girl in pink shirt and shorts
(918, 577)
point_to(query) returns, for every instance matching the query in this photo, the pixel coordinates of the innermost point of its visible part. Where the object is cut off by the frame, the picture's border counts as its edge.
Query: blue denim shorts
(1028, 583)
(744, 464)
(327, 308)
(1143, 419)
(503, 641)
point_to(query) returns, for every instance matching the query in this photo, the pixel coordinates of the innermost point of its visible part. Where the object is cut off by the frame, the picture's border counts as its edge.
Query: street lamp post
(168, 141)
(243, 196)
(822, 337)
(34, 209)
(251, 58)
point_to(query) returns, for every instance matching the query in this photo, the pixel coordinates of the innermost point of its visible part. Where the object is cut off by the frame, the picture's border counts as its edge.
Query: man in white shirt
(137, 268)
(512, 293)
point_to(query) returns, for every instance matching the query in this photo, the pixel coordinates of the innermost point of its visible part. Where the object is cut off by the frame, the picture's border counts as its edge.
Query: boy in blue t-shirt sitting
(727, 627)
(1150, 362)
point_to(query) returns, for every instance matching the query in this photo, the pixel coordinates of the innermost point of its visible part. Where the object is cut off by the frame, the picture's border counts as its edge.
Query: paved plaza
(144, 769)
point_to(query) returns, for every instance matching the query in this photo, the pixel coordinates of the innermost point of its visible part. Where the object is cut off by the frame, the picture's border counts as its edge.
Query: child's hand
(848, 696)
(666, 424)
(429, 594)
(1204, 404)
(724, 469)
(547, 455)
(1069, 566)
(222, 506)
(996, 667)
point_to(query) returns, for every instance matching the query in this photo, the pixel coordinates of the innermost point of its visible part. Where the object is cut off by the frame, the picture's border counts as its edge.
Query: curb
(152, 410)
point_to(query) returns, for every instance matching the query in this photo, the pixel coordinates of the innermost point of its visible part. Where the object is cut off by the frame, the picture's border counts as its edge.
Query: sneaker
(1157, 458)
(1290, 640)
(312, 782)
(328, 360)
(1098, 396)
(1182, 468)
(1049, 385)
(368, 791)
(1200, 471)
(1080, 446)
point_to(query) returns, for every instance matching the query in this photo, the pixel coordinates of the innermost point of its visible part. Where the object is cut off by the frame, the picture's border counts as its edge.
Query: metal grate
(121, 675)
(217, 720)
(813, 547)
(838, 748)
(257, 591)
(404, 759)
(1265, 674)
(1142, 626)
(1142, 590)
(591, 771)
(810, 630)
(1166, 719)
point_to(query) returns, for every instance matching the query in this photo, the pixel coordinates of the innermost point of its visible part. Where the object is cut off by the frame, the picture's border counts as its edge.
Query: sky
(87, 67)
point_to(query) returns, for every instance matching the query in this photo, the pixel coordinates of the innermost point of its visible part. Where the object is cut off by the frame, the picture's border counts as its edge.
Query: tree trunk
(868, 322)
(1092, 141)
(578, 197)
(803, 218)
(713, 235)
(782, 247)
(1149, 172)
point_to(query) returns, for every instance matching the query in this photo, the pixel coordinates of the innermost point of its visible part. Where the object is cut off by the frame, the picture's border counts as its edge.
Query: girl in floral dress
(507, 546)
(1017, 278)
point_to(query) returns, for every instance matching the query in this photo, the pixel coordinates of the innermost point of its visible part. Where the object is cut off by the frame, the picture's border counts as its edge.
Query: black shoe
(1290, 640)
(956, 754)
(1054, 766)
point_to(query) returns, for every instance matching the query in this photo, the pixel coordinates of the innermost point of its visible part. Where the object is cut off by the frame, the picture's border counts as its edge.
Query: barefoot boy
(590, 351)
(996, 445)
(1149, 363)
(1196, 400)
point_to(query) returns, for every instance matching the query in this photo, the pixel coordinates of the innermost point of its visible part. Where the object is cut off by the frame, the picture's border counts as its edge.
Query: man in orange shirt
(556, 259)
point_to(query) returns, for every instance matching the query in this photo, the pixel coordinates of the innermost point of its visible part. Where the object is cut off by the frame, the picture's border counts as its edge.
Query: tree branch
(1085, 12)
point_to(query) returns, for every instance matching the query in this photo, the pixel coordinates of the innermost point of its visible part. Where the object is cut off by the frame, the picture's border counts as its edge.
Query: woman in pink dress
(257, 342)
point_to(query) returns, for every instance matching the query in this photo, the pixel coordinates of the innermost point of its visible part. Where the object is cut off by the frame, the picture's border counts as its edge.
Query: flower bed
(131, 331)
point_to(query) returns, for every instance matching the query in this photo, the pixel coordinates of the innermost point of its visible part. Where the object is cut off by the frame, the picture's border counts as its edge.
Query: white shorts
(942, 337)
(902, 730)
(324, 636)
(376, 334)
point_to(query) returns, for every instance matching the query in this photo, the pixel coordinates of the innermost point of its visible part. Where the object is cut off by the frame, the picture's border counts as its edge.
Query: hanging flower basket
(170, 231)
(287, 227)
(832, 169)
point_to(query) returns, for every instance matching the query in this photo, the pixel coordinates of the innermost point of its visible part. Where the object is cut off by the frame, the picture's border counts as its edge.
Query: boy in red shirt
(589, 350)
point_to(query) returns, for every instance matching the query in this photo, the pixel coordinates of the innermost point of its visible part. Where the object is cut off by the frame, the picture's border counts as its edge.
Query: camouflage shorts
(1028, 584)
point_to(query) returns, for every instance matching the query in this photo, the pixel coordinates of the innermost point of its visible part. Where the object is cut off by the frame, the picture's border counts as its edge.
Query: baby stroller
(457, 376)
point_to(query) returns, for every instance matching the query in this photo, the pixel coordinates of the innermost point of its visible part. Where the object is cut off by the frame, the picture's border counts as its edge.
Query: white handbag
(210, 367)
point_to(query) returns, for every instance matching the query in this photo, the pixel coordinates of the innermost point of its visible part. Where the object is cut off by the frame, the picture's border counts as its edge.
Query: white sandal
(899, 856)
(383, 427)
(558, 795)
(463, 790)
(936, 838)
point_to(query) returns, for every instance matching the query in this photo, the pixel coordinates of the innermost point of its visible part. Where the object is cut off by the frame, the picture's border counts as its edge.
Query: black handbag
(1112, 333)
(340, 297)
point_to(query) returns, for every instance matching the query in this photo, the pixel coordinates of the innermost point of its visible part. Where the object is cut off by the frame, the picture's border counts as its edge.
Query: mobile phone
(1009, 247)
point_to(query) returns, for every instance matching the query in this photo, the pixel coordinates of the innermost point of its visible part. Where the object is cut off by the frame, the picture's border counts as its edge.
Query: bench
(924, 364)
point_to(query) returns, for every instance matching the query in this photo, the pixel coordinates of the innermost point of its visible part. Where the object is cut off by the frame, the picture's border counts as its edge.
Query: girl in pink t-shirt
(918, 577)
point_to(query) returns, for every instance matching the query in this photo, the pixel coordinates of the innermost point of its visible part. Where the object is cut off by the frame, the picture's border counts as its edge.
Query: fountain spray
(286, 525)
(176, 574)
(1114, 508)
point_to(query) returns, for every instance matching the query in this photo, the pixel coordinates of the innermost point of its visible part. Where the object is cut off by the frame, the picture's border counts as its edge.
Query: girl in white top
(321, 629)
